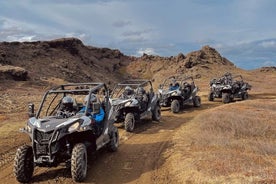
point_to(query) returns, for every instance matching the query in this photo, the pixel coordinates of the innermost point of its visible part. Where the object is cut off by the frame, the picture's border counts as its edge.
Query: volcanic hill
(68, 59)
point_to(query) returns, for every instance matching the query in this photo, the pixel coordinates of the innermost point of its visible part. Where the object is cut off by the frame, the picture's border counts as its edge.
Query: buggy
(176, 92)
(228, 87)
(134, 100)
(66, 137)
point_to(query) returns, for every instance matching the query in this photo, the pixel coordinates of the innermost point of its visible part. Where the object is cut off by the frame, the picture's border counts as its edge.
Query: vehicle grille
(42, 140)
(42, 149)
(43, 137)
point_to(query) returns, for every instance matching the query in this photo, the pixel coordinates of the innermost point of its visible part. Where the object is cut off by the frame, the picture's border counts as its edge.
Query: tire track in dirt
(139, 159)
(7, 157)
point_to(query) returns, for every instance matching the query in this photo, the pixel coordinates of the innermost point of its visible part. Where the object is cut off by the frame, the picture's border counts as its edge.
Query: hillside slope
(66, 59)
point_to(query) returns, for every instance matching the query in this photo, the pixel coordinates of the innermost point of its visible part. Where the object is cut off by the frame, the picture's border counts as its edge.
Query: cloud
(121, 23)
(136, 33)
(268, 44)
(12, 31)
(269, 63)
(22, 38)
(249, 55)
(148, 51)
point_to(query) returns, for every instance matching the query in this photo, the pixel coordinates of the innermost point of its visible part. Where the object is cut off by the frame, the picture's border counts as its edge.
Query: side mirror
(96, 107)
(31, 110)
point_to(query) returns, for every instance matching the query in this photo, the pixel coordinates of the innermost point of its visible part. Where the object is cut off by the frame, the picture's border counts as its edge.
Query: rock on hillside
(66, 58)
(268, 69)
(8, 72)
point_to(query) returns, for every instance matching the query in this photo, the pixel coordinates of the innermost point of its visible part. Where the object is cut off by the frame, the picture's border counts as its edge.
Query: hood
(167, 92)
(50, 123)
(119, 101)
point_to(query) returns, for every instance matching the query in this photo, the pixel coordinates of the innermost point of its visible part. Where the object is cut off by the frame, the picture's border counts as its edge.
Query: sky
(243, 31)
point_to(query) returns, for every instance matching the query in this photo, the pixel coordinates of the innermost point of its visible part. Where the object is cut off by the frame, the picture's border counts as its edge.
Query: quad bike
(228, 88)
(176, 92)
(66, 137)
(135, 100)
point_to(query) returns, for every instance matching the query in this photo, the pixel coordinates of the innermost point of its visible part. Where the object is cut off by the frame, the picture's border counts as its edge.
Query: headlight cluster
(28, 128)
(74, 127)
(128, 103)
(174, 93)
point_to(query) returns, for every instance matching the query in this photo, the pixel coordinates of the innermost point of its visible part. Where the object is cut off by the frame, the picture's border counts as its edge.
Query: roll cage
(73, 88)
(119, 88)
(178, 79)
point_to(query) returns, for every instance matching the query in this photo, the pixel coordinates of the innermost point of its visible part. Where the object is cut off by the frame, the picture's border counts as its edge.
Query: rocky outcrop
(67, 58)
(8, 72)
(207, 55)
(268, 69)
(194, 63)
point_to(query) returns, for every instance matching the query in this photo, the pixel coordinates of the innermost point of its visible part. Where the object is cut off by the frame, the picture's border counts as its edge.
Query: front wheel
(211, 96)
(196, 101)
(129, 122)
(24, 164)
(244, 96)
(175, 106)
(79, 162)
(156, 114)
(225, 97)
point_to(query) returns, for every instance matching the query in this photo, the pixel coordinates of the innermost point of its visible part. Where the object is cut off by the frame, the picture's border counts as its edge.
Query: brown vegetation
(233, 143)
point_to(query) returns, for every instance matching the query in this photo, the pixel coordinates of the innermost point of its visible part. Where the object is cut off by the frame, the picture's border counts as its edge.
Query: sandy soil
(141, 157)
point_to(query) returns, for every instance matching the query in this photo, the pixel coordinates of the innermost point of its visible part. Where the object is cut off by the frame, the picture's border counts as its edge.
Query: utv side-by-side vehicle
(135, 100)
(228, 87)
(66, 137)
(176, 92)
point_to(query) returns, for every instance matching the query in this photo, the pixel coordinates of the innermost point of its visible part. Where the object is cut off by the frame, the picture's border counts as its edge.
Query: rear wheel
(129, 122)
(114, 140)
(24, 164)
(79, 162)
(156, 114)
(225, 97)
(196, 101)
(175, 106)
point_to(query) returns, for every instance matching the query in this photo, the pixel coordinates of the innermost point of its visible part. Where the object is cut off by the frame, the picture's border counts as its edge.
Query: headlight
(74, 127)
(128, 103)
(28, 128)
(174, 93)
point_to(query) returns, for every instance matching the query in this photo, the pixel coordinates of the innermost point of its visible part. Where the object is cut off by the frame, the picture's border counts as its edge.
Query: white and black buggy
(176, 91)
(134, 100)
(66, 137)
(228, 87)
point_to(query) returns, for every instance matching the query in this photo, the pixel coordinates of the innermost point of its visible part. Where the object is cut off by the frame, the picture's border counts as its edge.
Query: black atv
(134, 100)
(228, 87)
(68, 137)
(176, 92)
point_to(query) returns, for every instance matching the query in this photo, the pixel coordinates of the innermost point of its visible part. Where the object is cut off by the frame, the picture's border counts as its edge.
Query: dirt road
(141, 157)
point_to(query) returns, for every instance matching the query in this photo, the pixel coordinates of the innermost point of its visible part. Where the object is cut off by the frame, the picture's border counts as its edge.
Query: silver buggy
(175, 92)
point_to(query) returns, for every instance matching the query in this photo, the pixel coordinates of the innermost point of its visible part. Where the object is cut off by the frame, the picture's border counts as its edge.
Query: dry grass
(234, 143)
